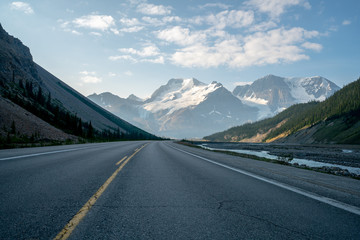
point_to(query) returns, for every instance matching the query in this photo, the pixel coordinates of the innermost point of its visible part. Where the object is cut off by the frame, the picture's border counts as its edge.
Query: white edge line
(39, 154)
(329, 201)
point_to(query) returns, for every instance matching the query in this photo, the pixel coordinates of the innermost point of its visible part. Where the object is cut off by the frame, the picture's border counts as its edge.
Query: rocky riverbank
(342, 155)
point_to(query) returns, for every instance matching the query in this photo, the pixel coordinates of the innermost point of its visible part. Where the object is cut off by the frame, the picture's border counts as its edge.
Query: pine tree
(90, 133)
(21, 84)
(40, 97)
(79, 128)
(13, 128)
(48, 102)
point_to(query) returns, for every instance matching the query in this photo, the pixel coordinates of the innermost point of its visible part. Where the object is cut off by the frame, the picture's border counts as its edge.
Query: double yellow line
(72, 224)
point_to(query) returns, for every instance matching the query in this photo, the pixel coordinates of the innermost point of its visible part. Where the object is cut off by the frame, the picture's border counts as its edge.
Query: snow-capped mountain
(183, 108)
(188, 108)
(272, 94)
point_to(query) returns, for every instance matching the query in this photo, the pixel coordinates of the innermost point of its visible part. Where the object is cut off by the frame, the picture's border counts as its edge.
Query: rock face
(183, 108)
(18, 71)
(273, 94)
(27, 124)
(16, 62)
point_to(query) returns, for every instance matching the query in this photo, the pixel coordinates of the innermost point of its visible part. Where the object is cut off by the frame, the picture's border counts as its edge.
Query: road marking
(72, 224)
(39, 154)
(329, 201)
(121, 160)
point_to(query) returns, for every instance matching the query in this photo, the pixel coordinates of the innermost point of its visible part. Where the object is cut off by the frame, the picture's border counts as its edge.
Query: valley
(189, 108)
(144, 119)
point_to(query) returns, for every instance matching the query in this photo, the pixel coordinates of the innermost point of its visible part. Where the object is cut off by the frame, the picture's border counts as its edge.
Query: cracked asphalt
(163, 193)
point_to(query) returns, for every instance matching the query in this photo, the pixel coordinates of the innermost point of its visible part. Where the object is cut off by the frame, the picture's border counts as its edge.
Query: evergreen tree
(48, 102)
(79, 128)
(21, 84)
(13, 128)
(90, 133)
(40, 97)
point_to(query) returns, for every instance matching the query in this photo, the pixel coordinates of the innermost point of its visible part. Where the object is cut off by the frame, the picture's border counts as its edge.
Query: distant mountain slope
(20, 125)
(82, 106)
(272, 94)
(40, 93)
(336, 120)
(182, 108)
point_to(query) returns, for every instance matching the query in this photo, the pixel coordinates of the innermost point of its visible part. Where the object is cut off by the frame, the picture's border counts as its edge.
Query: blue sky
(134, 46)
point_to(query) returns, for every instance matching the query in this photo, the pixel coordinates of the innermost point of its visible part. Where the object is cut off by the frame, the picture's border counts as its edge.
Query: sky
(134, 46)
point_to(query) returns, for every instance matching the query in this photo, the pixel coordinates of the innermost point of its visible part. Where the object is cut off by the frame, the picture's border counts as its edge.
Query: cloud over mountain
(249, 35)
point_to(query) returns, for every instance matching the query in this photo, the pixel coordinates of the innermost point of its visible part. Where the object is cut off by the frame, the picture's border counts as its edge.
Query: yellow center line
(72, 224)
(121, 160)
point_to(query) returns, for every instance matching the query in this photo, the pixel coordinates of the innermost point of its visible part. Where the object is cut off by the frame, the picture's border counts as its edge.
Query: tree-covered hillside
(339, 114)
(41, 97)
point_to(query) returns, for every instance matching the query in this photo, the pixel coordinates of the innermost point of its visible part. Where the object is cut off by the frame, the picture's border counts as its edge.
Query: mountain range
(37, 106)
(335, 120)
(272, 94)
(188, 108)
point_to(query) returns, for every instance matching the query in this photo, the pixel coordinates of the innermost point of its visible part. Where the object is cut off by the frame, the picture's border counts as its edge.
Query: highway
(164, 190)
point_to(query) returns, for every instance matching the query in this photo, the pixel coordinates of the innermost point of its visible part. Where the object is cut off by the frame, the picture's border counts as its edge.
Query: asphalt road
(168, 191)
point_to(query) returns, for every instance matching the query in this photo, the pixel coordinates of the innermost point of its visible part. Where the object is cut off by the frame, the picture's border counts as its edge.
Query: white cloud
(333, 28)
(156, 22)
(97, 34)
(199, 56)
(128, 73)
(130, 21)
(242, 83)
(233, 18)
(76, 32)
(63, 24)
(276, 7)
(115, 31)
(221, 20)
(87, 73)
(169, 19)
(312, 46)
(235, 38)
(153, 21)
(98, 22)
(346, 22)
(22, 6)
(159, 60)
(123, 57)
(132, 29)
(89, 77)
(263, 26)
(215, 5)
(261, 48)
(180, 36)
(275, 46)
(151, 9)
(149, 53)
(145, 52)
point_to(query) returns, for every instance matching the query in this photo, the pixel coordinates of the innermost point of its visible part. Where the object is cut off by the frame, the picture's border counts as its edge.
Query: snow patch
(254, 99)
(264, 109)
(181, 95)
(303, 89)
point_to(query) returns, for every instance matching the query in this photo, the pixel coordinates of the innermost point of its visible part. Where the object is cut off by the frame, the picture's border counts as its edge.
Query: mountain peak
(271, 76)
(217, 84)
(133, 97)
(185, 81)
(279, 93)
